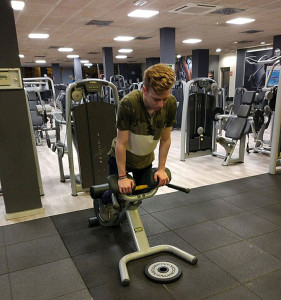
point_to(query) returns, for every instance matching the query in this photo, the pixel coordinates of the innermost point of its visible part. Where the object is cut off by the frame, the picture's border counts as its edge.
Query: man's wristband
(120, 177)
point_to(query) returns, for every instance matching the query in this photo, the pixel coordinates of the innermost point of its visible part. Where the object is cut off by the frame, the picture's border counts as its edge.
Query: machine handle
(178, 188)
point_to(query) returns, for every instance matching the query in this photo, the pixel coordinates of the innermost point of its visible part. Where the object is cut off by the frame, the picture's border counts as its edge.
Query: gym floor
(234, 228)
(232, 225)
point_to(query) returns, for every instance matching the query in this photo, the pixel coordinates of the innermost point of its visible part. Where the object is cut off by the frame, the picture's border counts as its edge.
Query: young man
(143, 119)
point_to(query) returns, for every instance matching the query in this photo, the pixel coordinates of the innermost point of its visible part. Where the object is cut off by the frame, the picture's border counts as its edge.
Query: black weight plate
(163, 271)
(258, 119)
(217, 110)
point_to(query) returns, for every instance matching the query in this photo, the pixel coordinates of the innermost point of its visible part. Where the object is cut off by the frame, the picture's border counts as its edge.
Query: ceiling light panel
(121, 56)
(192, 41)
(65, 49)
(125, 50)
(240, 21)
(17, 5)
(72, 56)
(123, 38)
(38, 35)
(140, 13)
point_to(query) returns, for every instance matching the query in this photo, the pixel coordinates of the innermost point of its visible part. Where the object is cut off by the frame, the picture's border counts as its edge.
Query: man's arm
(125, 185)
(164, 147)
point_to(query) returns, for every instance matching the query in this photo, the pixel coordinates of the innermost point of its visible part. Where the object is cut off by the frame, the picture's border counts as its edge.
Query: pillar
(240, 68)
(167, 45)
(18, 159)
(107, 57)
(200, 63)
(77, 69)
(150, 61)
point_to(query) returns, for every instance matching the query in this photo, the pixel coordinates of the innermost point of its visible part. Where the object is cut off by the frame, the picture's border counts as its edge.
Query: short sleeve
(171, 111)
(124, 114)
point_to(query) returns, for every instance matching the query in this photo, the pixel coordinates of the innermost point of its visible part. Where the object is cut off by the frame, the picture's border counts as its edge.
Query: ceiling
(65, 21)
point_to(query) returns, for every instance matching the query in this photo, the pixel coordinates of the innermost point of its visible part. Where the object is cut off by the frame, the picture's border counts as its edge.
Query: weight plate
(163, 271)
(258, 119)
(216, 111)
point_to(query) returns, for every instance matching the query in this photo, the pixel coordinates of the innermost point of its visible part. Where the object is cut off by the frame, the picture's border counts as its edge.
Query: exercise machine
(42, 91)
(127, 206)
(90, 126)
(264, 114)
(197, 126)
(236, 128)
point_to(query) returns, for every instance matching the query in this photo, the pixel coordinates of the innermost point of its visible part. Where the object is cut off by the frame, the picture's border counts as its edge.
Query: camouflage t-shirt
(144, 131)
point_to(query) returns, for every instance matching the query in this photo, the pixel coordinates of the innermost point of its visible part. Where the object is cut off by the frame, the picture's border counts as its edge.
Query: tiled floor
(234, 228)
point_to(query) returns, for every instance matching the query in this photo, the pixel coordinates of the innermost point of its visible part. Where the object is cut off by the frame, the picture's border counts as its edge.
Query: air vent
(99, 23)
(252, 31)
(195, 9)
(143, 38)
(227, 11)
(40, 56)
(93, 52)
(54, 47)
(244, 42)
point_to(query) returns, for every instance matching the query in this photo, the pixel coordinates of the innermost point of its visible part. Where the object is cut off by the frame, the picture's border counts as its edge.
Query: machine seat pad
(236, 128)
(243, 111)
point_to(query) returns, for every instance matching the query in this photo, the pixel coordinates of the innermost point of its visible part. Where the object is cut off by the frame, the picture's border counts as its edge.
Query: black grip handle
(179, 188)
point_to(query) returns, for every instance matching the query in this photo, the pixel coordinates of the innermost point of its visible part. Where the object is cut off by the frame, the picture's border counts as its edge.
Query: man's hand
(126, 185)
(162, 177)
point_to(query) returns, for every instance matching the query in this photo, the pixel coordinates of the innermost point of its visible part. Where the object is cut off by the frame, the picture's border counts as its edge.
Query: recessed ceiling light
(40, 61)
(84, 61)
(178, 56)
(73, 56)
(65, 49)
(140, 13)
(125, 50)
(121, 56)
(123, 38)
(88, 64)
(218, 50)
(21, 55)
(38, 35)
(17, 5)
(262, 43)
(192, 41)
(240, 21)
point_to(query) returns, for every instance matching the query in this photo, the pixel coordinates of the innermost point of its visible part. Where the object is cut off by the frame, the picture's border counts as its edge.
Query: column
(56, 73)
(107, 57)
(18, 159)
(167, 45)
(276, 42)
(240, 68)
(200, 63)
(43, 71)
(150, 61)
(77, 69)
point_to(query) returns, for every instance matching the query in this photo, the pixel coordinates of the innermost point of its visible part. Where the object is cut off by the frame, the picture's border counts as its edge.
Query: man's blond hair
(159, 77)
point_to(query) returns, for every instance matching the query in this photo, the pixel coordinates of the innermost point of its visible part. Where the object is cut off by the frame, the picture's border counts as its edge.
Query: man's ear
(144, 89)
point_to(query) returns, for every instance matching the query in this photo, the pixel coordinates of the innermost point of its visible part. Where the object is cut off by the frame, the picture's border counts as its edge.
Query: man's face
(154, 101)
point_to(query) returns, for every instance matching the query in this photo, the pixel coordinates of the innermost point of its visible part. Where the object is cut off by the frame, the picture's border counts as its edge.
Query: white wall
(228, 60)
